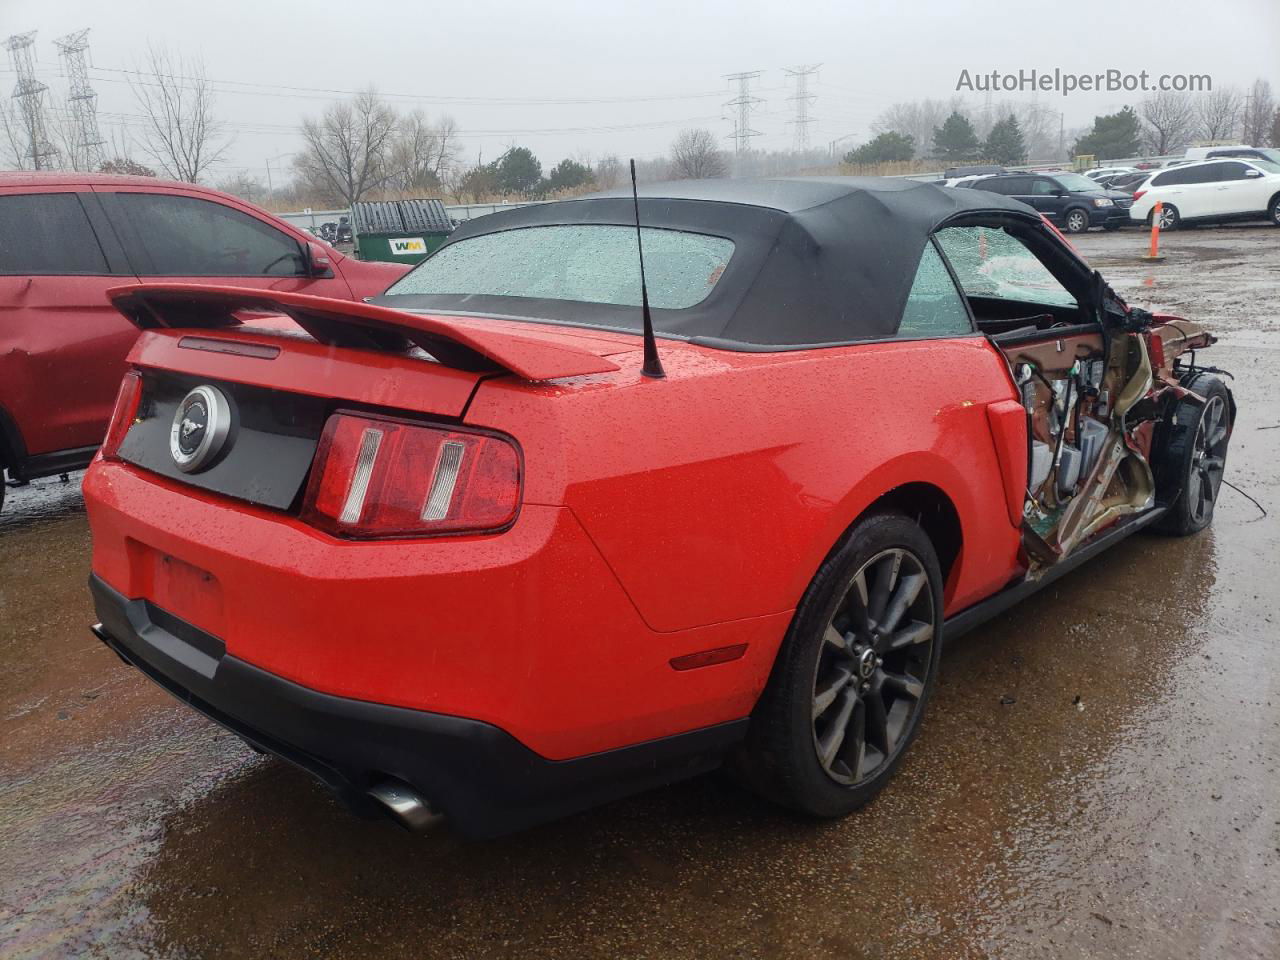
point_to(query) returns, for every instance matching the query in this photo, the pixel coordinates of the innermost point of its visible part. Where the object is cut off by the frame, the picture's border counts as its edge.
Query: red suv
(65, 238)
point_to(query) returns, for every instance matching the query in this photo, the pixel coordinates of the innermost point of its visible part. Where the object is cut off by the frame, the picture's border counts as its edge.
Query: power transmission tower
(30, 96)
(802, 98)
(82, 100)
(744, 101)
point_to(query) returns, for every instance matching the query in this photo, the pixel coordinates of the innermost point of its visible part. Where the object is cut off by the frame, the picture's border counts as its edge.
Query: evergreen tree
(567, 175)
(1114, 136)
(955, 141)
(518, 171)
(1005, 145)
(888, 147)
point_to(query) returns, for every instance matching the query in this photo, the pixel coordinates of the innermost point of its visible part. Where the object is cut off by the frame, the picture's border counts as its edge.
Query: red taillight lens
(1138, 196)
(381, 477)
(123, 414)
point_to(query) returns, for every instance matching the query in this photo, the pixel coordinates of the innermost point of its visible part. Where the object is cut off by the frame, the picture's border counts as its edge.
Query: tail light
(1138, 196)
(122, 415)
(382, 477)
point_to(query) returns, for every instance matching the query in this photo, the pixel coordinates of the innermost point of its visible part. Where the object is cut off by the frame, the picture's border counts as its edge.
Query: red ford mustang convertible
(483, 550)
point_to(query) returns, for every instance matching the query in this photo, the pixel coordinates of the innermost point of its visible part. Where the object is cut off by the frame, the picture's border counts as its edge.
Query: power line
(745, 102)
(30, 96)
(254, 88)
(802, 99)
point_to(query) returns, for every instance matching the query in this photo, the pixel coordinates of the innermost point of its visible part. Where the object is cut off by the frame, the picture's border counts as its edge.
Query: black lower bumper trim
(485, 781)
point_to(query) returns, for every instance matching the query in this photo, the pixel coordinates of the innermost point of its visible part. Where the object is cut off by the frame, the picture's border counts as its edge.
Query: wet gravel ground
(1099, 774)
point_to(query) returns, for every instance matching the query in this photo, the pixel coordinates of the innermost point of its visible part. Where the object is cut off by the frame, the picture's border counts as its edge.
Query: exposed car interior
(1078, 381)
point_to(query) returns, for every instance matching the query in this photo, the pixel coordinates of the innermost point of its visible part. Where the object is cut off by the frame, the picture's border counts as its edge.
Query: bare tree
(180, 133)
(68, 141)
(421, 153)
(472, 184)
(1258, 114)
(347, 149)
(695, 156)
(1218, 113)
(14, 153)
(1170, 120)
(1042, 129)
(448, 147)
(607, 171)
(244, 185)
(918, 118)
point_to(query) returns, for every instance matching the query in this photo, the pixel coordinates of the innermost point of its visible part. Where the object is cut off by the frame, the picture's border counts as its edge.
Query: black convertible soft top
(817, 260)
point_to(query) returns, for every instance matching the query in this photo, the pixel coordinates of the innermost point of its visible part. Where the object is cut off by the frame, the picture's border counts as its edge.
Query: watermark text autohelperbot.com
(1067, 83)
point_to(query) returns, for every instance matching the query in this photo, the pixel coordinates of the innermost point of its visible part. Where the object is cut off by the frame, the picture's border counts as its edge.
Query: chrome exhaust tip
(406, 806)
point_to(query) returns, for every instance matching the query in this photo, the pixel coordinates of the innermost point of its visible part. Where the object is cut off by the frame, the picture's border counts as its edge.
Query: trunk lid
(281, 376)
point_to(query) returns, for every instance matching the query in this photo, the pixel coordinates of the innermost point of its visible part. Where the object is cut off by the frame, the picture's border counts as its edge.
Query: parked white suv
(1239, 151)
(1211, 190)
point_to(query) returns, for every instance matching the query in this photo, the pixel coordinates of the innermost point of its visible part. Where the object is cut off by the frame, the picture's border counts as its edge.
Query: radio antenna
(652, 366)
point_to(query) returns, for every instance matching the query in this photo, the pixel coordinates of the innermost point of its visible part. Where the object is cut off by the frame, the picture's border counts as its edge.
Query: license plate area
(176, 587)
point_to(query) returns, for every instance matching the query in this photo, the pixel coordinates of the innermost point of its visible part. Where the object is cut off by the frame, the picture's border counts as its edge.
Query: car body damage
(1092, 402)
(1092, 394)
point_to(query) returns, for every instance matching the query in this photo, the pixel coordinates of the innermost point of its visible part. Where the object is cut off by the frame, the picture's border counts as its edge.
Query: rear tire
(1170, 218)
(1076, 221)
(854, 673)
(1274, 210)
(1192, 457)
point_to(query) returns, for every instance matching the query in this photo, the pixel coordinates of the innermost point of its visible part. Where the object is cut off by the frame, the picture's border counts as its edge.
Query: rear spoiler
(347, 323)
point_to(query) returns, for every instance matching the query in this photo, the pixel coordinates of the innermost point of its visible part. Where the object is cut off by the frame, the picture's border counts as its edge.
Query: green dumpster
(399, 231)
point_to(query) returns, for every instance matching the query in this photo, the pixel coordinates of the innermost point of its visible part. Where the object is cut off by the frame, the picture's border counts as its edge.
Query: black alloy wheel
(853, 676)
(1192, 456)
(870, 675)
(1208, 458)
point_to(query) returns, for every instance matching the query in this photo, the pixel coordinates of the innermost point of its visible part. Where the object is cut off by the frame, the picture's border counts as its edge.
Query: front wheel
(1274, 211)
(854, 673)
(1077, 221)
(1192, 457)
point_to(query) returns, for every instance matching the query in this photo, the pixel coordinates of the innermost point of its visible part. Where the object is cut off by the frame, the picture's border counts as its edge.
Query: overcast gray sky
(505, 70)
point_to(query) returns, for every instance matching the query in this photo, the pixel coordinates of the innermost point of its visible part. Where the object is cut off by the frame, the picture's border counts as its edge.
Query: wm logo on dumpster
(408, 246)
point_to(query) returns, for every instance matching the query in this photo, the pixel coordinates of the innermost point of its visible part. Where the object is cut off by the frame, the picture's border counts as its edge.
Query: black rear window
(47, 233)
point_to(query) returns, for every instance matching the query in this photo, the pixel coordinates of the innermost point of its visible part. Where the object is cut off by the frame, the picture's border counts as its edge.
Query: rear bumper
(480, 777)
(528, 631)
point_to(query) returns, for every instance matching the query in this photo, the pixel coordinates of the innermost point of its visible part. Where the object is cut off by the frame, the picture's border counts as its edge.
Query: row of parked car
(1209, 185)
